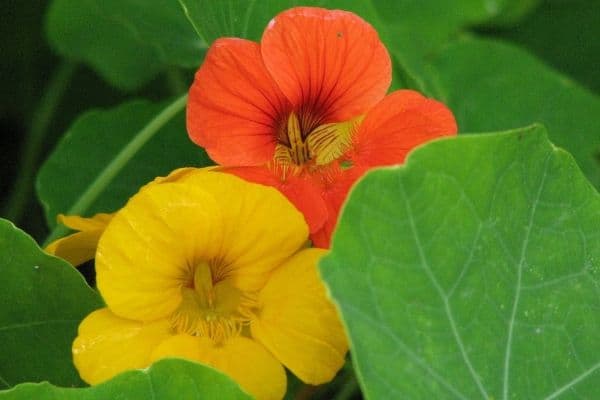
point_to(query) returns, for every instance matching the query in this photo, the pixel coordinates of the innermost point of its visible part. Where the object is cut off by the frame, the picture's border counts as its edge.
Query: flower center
(321, 145)
(210, 308)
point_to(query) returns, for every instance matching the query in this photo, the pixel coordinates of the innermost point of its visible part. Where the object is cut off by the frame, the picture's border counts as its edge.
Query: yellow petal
(76, 248)
(97, 222)
(261, 227)
(107, 345)
(298, 323)
(175, 175)
(79, 247)
(152, 246)
(244, 360)
(147, 253)
(330, 141)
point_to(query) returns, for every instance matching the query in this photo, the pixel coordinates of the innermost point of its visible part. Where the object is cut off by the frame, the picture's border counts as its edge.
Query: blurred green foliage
(45, 89)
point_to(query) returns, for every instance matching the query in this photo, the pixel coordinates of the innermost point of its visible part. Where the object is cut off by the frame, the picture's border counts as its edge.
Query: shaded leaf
(473, 271)
(127, 41)
(107, 155)
(574, 50)
(490, 85)
(165, 380)
(412, 30)
(42, 301)
(416, 30)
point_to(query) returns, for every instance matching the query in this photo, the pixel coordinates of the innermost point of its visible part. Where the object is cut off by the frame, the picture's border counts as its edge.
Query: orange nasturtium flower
(211, 268)
(305, 110)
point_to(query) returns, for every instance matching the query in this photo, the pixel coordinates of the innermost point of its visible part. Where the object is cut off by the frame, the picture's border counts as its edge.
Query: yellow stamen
(217, 310)
(329, 142)
(203, 284)
(297, 151)
(322, 145)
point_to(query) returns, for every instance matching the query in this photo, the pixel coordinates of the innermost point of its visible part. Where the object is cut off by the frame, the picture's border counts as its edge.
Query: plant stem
(28, 163)
(175, 81)
(107, 175)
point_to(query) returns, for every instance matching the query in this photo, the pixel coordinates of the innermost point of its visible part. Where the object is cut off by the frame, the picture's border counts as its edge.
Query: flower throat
(319, 146)
(212, 308)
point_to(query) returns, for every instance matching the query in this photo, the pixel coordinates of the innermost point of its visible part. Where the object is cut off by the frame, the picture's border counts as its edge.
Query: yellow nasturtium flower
(80, 246)
(211, 268)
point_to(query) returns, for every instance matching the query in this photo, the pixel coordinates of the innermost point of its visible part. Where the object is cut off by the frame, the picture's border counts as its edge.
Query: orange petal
(396, 125)
(300, 190)
(334, 192)
(234, 107)
(329, 62)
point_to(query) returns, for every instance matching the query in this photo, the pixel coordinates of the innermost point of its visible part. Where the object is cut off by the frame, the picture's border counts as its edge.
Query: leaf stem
(23, 186)
(176, 83)
(118, 163)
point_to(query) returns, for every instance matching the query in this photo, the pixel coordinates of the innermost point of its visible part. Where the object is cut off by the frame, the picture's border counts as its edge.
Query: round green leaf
(168, 379)
(127, 41)
(472, 272)
(411, 30)
(572, 51)
(42, 301)
(107, 155)
(490, 86)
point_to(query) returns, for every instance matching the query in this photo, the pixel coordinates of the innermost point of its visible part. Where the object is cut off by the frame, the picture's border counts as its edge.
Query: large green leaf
(411, 29)
(435, 18)
(238, 18)
(574, 49)
(415, 30)
(42, 301)
(168, 379)
(231, 18)
(473, 271)
(107, 155)
(491, 86)
(127, 41)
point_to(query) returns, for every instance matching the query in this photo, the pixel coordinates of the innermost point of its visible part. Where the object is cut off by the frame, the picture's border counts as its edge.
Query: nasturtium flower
(211, 268)
(305, 110)
(80, 246)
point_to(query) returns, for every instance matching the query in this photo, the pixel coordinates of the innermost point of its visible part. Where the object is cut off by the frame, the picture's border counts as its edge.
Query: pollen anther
(217, 310)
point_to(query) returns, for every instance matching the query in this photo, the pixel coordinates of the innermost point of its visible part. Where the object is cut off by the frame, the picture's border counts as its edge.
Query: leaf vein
(441, 293)
(517, 296)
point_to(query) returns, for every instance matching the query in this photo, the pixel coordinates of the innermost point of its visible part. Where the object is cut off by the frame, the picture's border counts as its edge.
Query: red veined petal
(335, 191)
(234, 107)
(328, 62)
(300, 190)
(397, 124)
